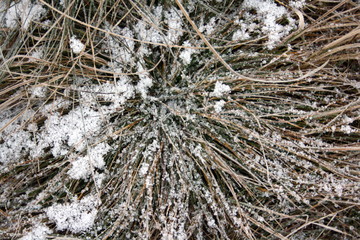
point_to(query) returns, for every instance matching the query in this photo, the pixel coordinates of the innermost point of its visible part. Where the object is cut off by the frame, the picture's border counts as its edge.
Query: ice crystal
(77, 216)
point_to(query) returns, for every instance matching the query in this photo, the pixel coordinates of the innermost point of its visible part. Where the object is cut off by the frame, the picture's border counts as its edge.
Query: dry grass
(281, 161)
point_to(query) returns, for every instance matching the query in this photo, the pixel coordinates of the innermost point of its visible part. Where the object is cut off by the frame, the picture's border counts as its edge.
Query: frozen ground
(154, 139)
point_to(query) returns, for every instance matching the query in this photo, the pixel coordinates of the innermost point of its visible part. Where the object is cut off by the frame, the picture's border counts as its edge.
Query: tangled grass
(206, 137)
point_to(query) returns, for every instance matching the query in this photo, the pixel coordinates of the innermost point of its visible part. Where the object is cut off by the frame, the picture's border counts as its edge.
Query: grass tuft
(180, 120)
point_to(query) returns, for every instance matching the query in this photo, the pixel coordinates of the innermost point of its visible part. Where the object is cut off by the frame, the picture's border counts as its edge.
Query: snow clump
(22, 13)
(77, 216)
(186, 54)
(38, 233)
(220, 90)
(76, 45)
(83, 166)
(219, 106)
(268, 14)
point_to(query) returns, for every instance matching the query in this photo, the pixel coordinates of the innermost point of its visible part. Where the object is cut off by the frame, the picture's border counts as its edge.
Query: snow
(173, 19)
(16, 140)
(99, 179)
(117, 93)
(220, 89)
(240, 35)
(267, 13)
(124, 91)
(148, 33)
(219, 106)
(38, 91)
(144, 169)
(37, 53)
(346, 129)
(39, 232)
(23, 13)
(185, 54)
(61, 132)
(211, 223)
(299, 4)
(64, 132)
(145, 81)
(209, 27)
(121, 51)
(76, 45)
(83, 166)
(76, 217)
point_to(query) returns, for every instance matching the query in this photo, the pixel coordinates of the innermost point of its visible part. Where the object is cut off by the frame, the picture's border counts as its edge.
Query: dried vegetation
(278, 158)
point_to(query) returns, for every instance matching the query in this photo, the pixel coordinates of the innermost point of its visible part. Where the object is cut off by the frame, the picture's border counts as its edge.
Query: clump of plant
(179, 119)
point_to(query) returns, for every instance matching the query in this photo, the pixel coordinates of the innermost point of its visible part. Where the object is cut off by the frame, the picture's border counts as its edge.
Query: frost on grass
(174, 145)
(299, 4)
(39, 91)
(16, 141)
(22, 13)
(83, 166)
(186, 54)
(77, 216)
(267, 14)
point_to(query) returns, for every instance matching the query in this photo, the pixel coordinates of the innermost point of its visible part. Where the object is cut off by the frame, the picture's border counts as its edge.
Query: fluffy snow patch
(76, 45)
(173, 19)
(83, 166)
(16, 140)
(240, 35)
(209, 27)
(267, 13)
(220, 90)
(121, 51)
(38, 91)
(145, 81)
(185, 55)
(77, 216)
(219, 106)
(71, 130)
(38, 233)
(297, 4)
(23, 13)
(144, 169)
(38, 53)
